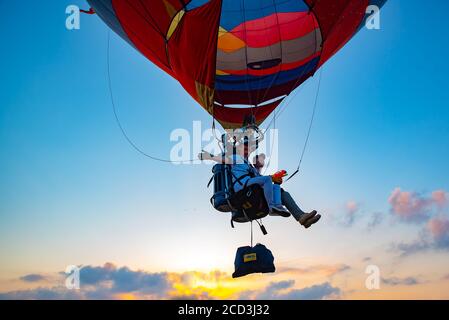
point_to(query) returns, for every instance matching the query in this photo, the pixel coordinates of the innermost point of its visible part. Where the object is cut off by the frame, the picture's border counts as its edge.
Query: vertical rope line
(284, 105)
(251, 234)
(272, 144)
(242, 7)
(276, 76)
(271, 55)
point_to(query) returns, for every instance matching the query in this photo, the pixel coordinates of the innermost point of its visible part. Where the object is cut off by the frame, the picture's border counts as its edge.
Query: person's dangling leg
(305, 219)
(277, 199)
(278, 208)
(291, 205)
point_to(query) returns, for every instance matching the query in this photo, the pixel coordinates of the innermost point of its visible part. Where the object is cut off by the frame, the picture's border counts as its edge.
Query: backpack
(246, 205)
(223, 187)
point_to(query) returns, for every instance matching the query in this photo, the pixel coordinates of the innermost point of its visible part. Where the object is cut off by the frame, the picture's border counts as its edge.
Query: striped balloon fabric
(236, 58)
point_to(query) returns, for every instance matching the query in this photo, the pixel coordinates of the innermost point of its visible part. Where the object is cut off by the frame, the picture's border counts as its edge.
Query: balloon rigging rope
(272, 142)
(274, 78)
(282, 109)
(251, 234)
(284, 104)
(117, 119)
(273, 121)
(303, 152)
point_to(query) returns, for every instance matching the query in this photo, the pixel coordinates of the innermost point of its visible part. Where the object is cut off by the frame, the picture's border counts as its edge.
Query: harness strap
(294, 174)
(210, 181)
(251, 174)
(262, 227)
(239, 180)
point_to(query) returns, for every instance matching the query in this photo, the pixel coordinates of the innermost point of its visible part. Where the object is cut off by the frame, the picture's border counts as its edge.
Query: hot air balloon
(239, 59)
(236, 58)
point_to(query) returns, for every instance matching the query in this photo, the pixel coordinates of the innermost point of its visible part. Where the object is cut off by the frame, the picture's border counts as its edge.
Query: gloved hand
(276, 180)
(277, 177)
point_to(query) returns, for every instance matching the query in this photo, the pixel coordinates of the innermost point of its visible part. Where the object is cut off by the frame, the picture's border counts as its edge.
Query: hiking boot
(279, 211)
(310, 218)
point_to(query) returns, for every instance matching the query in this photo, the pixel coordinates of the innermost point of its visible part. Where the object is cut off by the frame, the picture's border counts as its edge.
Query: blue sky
(72, 191)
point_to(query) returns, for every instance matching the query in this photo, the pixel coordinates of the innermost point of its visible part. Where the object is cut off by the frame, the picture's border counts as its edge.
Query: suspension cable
(117, 119)
(309, 129)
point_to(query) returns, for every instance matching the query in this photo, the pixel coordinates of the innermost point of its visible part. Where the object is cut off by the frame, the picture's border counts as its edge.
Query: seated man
(244, 174)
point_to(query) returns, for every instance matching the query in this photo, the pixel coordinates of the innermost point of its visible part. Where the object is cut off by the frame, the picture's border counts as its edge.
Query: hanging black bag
(257, 259)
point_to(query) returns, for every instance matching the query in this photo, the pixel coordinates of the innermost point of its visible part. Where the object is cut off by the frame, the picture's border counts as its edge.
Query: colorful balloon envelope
(237, 58)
